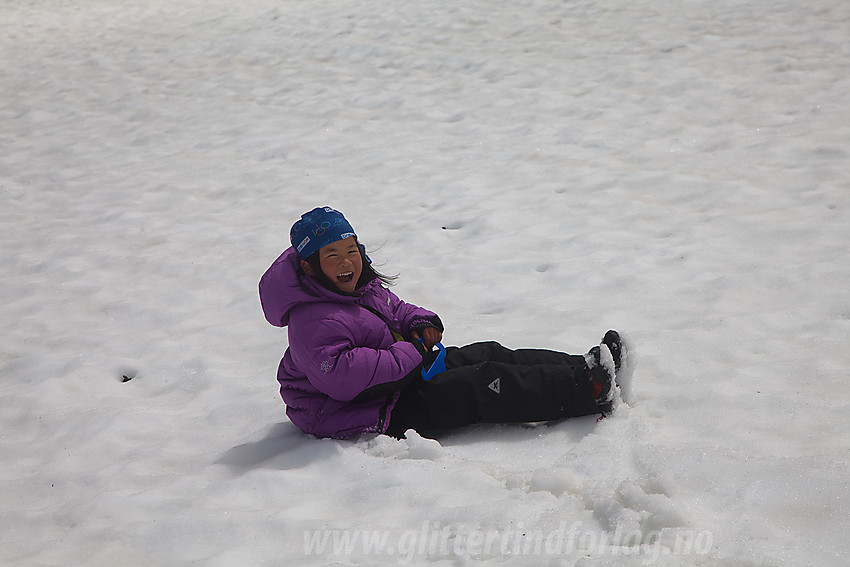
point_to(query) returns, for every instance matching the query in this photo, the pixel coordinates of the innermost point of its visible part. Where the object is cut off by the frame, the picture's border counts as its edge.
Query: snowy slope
(535, 171)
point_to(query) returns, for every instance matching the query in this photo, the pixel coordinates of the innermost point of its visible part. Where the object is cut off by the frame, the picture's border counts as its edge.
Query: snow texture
(536, 172)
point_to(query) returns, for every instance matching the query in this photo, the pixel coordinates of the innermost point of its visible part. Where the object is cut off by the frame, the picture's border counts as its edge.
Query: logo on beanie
(303, 244)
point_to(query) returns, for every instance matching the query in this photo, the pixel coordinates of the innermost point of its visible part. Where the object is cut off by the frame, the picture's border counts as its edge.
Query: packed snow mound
(413, 446)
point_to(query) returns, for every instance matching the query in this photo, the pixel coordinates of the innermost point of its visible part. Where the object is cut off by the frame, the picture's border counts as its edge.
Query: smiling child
(356, 352)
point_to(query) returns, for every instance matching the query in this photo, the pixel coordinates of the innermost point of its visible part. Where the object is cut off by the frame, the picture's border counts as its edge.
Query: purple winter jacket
(339, 346)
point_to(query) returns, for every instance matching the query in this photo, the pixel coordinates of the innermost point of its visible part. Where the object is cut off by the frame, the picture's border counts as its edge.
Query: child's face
(341, 263)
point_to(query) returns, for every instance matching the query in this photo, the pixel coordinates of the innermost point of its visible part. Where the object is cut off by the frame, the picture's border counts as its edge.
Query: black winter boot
(602, 377)
(615, 345)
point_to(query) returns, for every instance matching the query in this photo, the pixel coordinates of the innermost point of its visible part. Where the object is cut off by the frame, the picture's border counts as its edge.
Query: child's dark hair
(369, 273)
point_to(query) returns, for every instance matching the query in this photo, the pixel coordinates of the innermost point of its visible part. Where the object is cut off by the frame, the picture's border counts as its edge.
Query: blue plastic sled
(438, 366)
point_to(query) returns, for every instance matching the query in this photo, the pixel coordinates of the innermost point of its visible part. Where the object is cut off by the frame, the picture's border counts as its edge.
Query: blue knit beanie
(318, 228)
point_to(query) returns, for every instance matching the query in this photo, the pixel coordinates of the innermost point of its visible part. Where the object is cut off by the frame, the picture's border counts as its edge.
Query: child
(356, 352)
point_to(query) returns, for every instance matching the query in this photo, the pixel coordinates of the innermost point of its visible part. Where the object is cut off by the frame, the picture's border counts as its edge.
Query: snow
(535, 171)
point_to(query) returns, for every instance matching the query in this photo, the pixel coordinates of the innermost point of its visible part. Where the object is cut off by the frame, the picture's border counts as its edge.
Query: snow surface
(536, 171)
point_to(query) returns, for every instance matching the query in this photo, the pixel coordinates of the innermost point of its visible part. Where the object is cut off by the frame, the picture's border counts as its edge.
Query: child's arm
(416, 322)
(324, 350)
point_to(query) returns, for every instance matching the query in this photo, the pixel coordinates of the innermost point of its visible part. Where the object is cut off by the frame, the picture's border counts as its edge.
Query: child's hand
(430, 336)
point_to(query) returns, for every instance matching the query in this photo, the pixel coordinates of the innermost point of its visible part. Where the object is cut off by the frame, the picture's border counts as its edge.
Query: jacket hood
(285, 286)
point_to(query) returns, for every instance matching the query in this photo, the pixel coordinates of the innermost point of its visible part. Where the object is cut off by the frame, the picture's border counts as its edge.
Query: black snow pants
(488, 383)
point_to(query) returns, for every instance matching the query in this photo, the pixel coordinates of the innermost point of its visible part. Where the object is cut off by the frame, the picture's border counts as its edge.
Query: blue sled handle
(438, 366)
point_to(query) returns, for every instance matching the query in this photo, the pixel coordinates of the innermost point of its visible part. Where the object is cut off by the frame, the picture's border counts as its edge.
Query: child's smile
(342, 264)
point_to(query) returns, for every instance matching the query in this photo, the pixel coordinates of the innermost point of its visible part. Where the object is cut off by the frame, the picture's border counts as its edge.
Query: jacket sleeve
(324, 350)
(411, 317)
